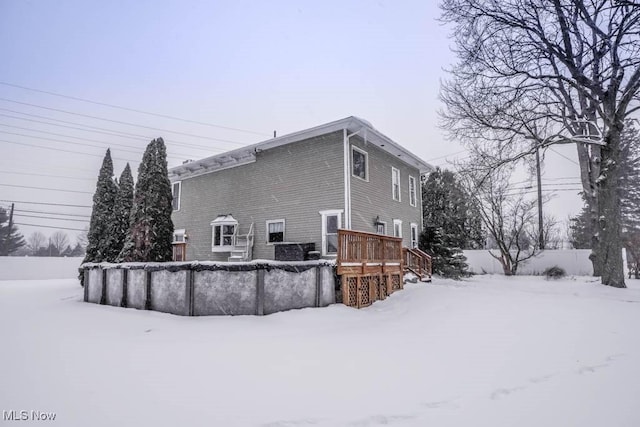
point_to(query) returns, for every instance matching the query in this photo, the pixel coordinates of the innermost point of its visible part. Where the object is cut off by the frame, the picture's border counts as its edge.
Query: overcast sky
(254, 67)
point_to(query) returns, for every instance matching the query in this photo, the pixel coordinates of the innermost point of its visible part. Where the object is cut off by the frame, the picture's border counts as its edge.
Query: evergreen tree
(10, 239)
(580, 230)
(121, 213)
(630, 178)
(451, 223)
(151, 229)
(98, 245)
(446, 205)
(445, 261)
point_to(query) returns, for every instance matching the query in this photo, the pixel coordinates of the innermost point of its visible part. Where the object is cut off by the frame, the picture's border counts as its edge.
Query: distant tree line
(57, 245)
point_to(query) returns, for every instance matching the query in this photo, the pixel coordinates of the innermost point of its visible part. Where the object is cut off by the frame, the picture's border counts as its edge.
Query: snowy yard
(488, 351)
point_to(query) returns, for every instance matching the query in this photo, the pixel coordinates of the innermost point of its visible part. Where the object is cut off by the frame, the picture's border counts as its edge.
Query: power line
(106, 144)
(56, 219)
(53, 213)
(122, 123)
(562, 155)
(49, 226)
(48, 189)
(446, 155)
(64, 151)
(46, 175)
(45, 203)
(104, 131)
(134, 110)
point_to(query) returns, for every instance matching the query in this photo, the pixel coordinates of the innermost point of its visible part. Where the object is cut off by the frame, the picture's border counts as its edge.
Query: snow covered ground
(488, 351)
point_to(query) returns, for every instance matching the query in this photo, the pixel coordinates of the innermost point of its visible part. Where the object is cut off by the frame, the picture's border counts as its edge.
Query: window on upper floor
(395, 183)
(412, 191)
(359, 163)
(176, 188)
(275, 231)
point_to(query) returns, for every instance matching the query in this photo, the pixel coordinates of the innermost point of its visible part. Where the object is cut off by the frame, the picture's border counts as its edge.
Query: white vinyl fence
(574, 261)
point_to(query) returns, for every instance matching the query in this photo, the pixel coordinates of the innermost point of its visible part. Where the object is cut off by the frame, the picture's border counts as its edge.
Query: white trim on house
(275, 221)
(324, 215)
(397, 228)
(395, 184)
(384, 227)
(346, 178)
(413, 194)
(248, 154)
(173, 195)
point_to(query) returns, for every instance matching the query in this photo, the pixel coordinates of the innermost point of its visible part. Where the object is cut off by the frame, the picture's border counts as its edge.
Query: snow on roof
(247, 154)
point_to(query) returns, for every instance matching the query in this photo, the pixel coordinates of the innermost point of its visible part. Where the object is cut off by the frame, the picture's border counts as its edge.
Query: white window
(395, 183)
(179, 236)
(397, 228)
(176, 188)
(275, 231)
(414, 235)
(331, 222)
(359, 163)
(381, 227)
(223, 230)
(412, 191)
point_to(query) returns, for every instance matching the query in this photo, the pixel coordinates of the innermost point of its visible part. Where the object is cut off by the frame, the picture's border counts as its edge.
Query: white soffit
(247, 154)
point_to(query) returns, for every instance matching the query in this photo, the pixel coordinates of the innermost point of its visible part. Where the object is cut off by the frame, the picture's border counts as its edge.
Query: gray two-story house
(301, 188)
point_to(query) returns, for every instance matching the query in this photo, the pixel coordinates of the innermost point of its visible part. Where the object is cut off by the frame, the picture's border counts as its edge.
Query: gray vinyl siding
(291, 182)
(374, 198)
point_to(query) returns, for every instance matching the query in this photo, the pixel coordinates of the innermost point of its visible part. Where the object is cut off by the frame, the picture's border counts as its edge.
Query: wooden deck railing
(418, 262)
(370, 266)
(361, 247)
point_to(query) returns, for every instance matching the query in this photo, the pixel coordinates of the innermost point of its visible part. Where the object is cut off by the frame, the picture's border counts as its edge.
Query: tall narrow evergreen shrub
(98, 241)
(121, 213)
(151, 228)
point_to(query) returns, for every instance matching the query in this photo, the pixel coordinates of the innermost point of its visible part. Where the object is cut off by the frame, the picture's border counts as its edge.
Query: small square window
(179, 236)
(275, 231)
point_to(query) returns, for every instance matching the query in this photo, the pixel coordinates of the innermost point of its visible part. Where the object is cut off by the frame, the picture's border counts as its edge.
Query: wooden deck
(371, 266)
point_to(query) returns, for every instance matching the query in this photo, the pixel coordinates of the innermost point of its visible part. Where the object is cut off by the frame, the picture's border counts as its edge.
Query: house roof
(247, 154)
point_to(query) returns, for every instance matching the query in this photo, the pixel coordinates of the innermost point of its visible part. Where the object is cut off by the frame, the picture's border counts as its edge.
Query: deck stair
(417, 262)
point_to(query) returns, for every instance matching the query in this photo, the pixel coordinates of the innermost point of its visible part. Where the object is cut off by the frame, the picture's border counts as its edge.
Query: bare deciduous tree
(532, 73)
(59, 240)
(509, 218)
(36, 241)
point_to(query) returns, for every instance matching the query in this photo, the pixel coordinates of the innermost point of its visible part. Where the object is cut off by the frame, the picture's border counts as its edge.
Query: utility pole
(540, 225)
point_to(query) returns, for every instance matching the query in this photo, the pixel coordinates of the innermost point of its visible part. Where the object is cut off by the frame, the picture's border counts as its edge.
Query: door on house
(331, 222)
(179, 251)
(179, 245)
